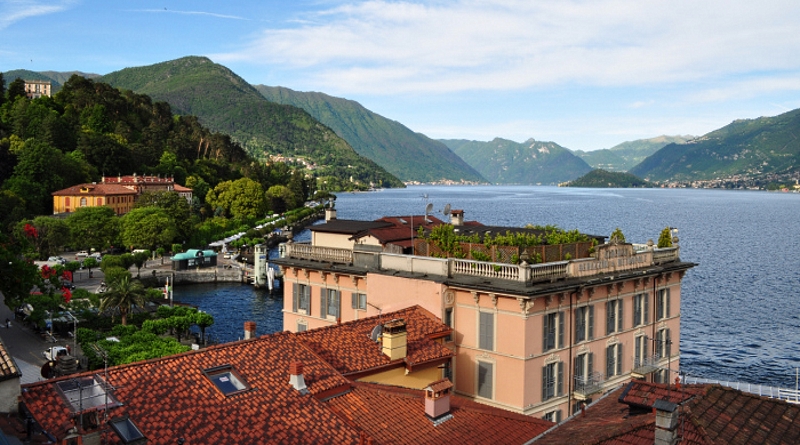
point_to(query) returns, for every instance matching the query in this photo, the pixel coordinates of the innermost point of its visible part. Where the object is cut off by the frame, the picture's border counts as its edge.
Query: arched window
(83, 202)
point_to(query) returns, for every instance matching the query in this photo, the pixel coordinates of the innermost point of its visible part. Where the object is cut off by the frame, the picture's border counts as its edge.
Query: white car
(82, 253)
(57, 259)
(53, 353)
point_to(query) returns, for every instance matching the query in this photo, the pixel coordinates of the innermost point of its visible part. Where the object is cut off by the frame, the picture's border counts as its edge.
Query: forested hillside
(604, 179)
(745, 147)
(623, 157)
(532, 162)
(228, 104)
(408, 155)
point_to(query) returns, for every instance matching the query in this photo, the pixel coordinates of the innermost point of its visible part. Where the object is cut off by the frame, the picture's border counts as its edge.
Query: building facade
(538, 339)
(35, 89)
(119, 193)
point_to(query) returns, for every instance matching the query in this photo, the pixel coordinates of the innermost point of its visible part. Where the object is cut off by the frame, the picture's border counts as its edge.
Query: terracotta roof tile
(349, 348)
(395, 415)
(8, 368)
(100, 189)
(643, 394)
(171, 397)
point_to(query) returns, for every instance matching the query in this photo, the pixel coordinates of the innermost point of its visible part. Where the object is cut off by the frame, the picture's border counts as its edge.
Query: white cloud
(12, 11)
(175, 11)
(389, 47)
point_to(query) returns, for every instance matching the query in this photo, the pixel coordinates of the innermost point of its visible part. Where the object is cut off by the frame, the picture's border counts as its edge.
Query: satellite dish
(376, 333)
(446, 210)
(428, 210)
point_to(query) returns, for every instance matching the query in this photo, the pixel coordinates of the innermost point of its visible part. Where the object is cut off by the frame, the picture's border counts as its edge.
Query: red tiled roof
(709, 415)
(395, 415)
(8, 369)
(180, 188)
(349, 348)
(171, 397)
(95, 190)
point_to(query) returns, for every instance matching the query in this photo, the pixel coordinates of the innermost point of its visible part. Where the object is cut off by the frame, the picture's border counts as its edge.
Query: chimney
(666, 422)
(437, 401)
(330, 213)
(395, 339)
(249, 330)
(296, 377)
(457, 217)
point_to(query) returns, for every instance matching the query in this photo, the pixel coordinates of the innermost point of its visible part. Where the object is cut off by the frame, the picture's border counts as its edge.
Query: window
(66, 201)
(613, 316)
(552, 380)
(301, 298)
(553, 416)
(614, 360)
(553, 327)
(486, 331)
(302, 326)
(448, 320)
(83, 202)
(127, 431)
(583, 366)
(640, 351)
(662, 304)
(584, 323)
(99, 201)
(359, 301)
(329, 303)
(485, 376)
(663, 343)
(447, 372)
(226, 380)
(641, 309)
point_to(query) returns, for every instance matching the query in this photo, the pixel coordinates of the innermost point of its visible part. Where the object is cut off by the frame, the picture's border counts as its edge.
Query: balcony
(645, 366)
(586, 386)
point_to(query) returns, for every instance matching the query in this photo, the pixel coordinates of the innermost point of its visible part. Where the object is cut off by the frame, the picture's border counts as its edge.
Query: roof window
(127, 431)
(226, 379)
(87, 392)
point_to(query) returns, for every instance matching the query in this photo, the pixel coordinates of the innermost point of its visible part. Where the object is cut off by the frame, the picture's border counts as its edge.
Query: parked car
(68, 284)
(57, 259)
(97, 255)
(82, 253)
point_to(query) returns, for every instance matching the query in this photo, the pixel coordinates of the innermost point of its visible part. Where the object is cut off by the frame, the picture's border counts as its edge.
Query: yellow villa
(539, 338)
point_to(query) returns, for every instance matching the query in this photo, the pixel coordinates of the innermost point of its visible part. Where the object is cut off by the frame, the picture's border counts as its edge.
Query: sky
(586, 74)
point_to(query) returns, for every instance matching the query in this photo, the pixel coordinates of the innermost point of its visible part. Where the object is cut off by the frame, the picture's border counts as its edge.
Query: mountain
(627, 155)
(408, 155)
(532, 162)
(747, 147)
(56, 78)
(226, 103)
(605, 179)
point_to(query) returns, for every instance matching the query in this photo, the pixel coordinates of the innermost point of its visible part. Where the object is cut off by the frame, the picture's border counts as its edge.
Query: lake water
(740, 312)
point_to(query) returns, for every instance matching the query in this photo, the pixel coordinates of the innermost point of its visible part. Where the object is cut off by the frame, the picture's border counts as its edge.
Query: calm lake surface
(740, 312)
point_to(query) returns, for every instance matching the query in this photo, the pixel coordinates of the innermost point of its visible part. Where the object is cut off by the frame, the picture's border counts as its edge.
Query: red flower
(47, 272)
(66, 294)
(67, 274)
(30, 231)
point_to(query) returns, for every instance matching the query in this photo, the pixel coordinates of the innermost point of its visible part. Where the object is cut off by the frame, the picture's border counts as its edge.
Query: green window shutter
(668, 298)
(561, 329)
(620, 316)
(646, 301)
(545, 383)
(590, 364)
(610, 361)
(609, 317)
(560, 379)
(354, 300)
(545, 332)
(619, 359)
(323, 302)
(591, 322)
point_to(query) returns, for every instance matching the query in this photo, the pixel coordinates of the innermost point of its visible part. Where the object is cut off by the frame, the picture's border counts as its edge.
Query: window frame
(330, 298)
(226, 371)
(358, 301)
(614, 360)
(484, 381)
(584, 323)
(486, 324)
(552, 331)
(584, 361)
(552, 381)
(641, 309)
(663, 298)
(663, 343)
(614, 316)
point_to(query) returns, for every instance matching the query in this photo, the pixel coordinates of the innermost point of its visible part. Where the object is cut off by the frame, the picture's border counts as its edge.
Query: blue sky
(584, 74)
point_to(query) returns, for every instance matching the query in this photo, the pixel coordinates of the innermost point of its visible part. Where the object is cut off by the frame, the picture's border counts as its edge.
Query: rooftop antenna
(428, 210)
(446, 210)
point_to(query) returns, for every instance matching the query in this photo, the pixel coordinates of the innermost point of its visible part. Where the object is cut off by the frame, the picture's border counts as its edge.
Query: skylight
(127, 430)
(226, 379)
(86, 393)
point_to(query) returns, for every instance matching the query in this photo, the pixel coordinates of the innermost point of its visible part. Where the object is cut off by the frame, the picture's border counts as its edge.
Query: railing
(788, 395)
(666, 255)
(585, 386)
(484, 269)
(547, 271)
(322, 254)
(646, 365)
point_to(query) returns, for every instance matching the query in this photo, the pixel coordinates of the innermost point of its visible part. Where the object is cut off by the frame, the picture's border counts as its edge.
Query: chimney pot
(296, 378)
(395, 339)
(666, 422)
(437, 401)
(249, 330)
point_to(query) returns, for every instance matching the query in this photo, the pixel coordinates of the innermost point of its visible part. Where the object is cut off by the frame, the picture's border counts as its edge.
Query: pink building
(539, 339)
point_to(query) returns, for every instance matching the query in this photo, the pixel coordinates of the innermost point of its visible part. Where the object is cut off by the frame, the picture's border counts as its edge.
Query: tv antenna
(446, 210)
(428, 210)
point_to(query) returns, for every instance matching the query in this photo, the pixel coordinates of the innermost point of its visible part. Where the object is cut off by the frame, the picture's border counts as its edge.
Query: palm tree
(122, 294)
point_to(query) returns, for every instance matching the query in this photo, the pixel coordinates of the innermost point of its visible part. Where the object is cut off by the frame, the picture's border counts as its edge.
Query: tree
(116, 274)
(203, 320)
(17, 275)
(175, 206)
(147, 227)
(665, 238)
(122, 294)
(243, 198)
(90, 263)
(16, 89)
(617, 236)
(281, 198)
(95, 227)
(139, 258)
(53, 235)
